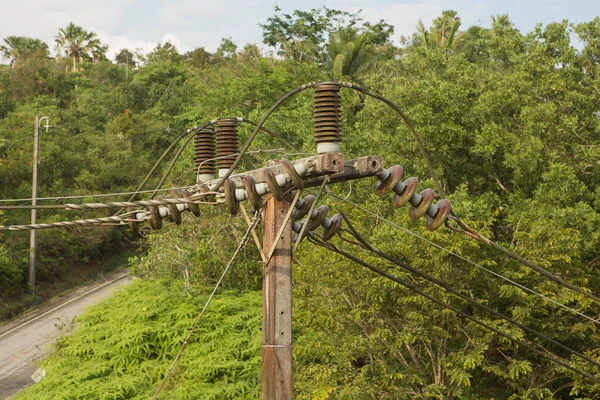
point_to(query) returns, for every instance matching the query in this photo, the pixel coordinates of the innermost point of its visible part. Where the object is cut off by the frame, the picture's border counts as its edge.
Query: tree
(198, 57)
(125, 57)
(303, 35)
(227, 49)
(17, 48)
(350, 54)
(442, 35)
(78, 44)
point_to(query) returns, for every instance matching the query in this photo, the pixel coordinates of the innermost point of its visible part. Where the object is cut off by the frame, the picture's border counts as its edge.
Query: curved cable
(368, 246)
(92, 196)
(517, 284)
(474, 234)
(162, 157)
(410, 126)
(258, 127)
(550, 356)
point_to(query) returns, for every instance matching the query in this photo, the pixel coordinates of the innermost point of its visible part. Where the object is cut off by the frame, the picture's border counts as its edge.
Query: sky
(188, 24)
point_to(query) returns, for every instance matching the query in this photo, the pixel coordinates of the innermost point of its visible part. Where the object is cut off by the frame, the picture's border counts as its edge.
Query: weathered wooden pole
(277, 370)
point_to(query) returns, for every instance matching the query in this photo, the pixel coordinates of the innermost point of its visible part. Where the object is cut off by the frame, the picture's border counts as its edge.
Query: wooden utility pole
(277, 371)
(36, 142)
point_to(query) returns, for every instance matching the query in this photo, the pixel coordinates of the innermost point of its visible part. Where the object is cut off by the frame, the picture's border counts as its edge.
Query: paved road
(23, 342)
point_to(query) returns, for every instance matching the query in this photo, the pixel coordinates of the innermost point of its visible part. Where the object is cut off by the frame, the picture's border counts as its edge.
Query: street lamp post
(36, 143)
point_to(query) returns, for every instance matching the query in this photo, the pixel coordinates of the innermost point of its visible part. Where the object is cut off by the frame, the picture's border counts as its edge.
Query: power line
(368, 246)
(91, 196)
(552, 357)
(258, 127)
(474, 234)
(242, 243)
(80, 222)
(532, 291)
(193, 199)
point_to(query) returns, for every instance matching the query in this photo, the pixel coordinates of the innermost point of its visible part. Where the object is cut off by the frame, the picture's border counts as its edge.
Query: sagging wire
(193, 199)
(548, 355)
(241, 244)
(191, 132)
(115, 219)
(410, 126)
(474, 234)
(92, 196)
(363, 243)
(496, 274)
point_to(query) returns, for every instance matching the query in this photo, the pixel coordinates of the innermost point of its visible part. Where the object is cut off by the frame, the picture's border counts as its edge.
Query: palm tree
(350, 54)
(79, 44)
(443, 35)
(17, 48)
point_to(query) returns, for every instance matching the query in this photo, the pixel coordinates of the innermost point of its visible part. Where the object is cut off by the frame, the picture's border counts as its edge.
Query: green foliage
(126, 354)
(79, 44)
(512, 127)
(18, 48)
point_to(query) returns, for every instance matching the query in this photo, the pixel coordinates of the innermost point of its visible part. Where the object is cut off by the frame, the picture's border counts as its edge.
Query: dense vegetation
(512, 126)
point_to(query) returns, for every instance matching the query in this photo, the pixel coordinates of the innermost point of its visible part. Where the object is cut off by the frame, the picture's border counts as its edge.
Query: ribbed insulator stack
(204, 152)
(227, 143)
(328, 117)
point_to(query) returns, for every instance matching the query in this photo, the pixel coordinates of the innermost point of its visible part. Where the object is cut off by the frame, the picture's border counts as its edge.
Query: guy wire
(368, 246)
(558, 360)
(242, 243)
(496, 274)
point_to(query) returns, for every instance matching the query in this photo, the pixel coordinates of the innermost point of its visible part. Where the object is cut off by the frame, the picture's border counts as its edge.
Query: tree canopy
(510, 121)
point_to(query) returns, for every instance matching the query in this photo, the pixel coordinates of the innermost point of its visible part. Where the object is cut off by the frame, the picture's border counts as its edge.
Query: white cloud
(404, 17)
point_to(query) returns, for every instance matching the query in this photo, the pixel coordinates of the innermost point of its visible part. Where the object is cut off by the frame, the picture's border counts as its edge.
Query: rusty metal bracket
(353, 169)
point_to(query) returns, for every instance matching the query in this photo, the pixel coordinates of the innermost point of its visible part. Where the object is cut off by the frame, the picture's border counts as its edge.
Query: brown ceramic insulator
(227, 142)
(389, 183)
(251, 193)
(193, 207)
(317, 218)
(336, 224)
(233, 205)
(292, 173)
(174, 214)
(300, 211)
(204, 151)
(328, 113)
(444, 207)
(410, 187)
(416, 212)
(272, 184)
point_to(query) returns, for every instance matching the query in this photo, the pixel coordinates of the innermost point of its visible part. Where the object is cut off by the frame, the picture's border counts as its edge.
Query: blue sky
(202, 23)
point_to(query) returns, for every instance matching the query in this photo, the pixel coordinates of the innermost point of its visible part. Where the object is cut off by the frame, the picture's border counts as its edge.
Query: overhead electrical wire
(193, 199)
(91, 196)
(241, 244)
(496, 274)
(474, 234)
(550, 356)
(118, 219)
(259, 127)
(369, 247)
